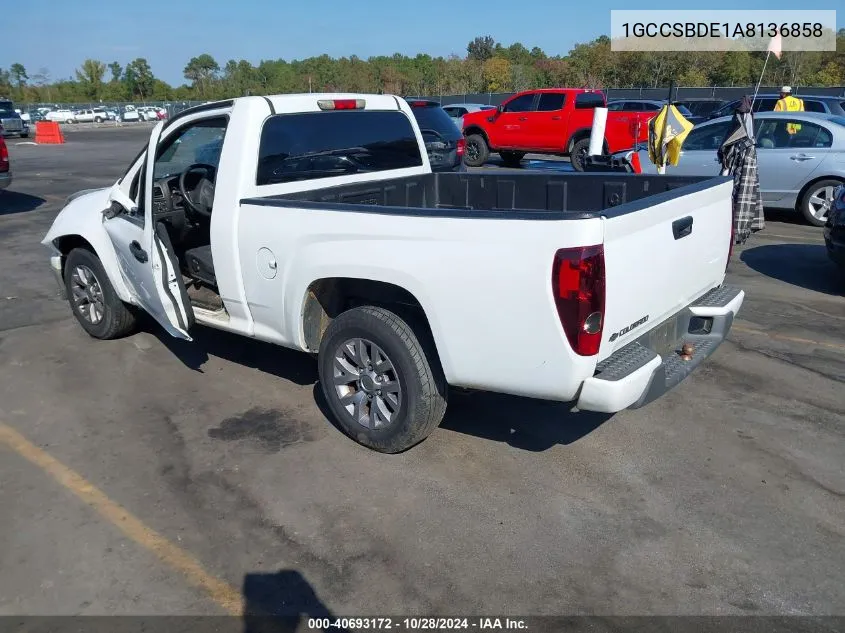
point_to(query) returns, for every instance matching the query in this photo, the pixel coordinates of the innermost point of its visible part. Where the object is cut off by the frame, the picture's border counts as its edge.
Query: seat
(201, 265)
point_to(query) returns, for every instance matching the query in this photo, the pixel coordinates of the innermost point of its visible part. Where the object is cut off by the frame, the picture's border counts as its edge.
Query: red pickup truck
(548, 121)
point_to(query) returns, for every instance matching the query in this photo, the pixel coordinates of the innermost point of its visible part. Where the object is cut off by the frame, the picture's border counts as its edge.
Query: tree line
(487, 66)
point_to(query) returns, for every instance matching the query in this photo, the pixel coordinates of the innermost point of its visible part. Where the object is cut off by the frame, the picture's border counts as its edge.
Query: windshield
(324, 144)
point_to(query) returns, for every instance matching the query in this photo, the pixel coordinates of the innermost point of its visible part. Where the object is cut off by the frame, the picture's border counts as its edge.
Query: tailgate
(661, 253)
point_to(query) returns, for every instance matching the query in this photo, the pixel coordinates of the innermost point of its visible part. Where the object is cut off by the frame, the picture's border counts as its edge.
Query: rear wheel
(477, 152)
(92, 298)
(578, 155)
(383, 383)
(512, 159)
(816, 202)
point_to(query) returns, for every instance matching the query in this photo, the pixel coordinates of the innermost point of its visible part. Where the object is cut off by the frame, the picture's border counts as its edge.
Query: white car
(320, 226)
(130, 114)
(148, 113)
(97, 115)
(61, 116)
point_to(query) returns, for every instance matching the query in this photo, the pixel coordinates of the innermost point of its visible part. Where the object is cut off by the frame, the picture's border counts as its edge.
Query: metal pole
(757, 87)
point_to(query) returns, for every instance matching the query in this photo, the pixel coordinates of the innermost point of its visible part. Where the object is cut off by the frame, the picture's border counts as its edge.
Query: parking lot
(148, 475)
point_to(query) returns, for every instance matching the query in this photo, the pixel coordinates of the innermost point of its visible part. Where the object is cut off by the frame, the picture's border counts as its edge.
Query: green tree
(5, 81)
(90, 76)
(18, 74)
(497, 74)
(481, 48)
(139, 79)
(116, 71)
(202, 70)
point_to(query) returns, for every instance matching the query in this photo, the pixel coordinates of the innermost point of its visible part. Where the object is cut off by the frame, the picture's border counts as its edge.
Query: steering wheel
(203, 192)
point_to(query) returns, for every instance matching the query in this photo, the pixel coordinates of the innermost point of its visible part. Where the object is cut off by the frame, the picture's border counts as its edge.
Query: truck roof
(298, 102)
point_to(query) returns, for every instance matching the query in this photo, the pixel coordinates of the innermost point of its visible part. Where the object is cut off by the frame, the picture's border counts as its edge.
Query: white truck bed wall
(473, 279)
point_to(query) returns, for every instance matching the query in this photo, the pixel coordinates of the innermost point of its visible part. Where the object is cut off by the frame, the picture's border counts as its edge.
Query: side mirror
(119, 203)
(500, 108)
(113, 210)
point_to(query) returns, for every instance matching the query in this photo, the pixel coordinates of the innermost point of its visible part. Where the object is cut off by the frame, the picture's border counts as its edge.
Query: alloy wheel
(87, 294)
(366, 383)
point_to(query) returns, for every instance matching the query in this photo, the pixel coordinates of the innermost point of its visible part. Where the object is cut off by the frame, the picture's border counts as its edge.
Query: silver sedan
(801, 158)
(456, 111)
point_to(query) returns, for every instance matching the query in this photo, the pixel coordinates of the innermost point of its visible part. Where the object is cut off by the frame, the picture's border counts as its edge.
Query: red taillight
(420, 104)
(578, 287)
(341, 104)
(4, 156)
(462, 146)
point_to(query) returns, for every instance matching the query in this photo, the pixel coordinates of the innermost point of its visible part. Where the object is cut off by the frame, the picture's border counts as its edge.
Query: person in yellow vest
(788, 103)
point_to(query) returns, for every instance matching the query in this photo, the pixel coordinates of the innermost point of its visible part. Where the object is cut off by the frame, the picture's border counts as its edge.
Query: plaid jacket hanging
(739, 159)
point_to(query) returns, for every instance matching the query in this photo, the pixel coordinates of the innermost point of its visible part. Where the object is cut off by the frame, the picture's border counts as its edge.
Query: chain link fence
(724, 93)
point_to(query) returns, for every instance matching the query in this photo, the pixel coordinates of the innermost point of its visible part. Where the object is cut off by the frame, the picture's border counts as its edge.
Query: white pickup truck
(315, 222)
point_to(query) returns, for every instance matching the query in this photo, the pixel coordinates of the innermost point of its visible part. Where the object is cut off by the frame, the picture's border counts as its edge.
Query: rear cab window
(589, 100)
(550, 101)
(313, 145)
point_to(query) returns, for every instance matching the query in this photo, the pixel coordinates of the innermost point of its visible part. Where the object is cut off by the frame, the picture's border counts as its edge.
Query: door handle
(139, 253)
(800, 157)
(682, 228)
(523, 118)
(555, 118)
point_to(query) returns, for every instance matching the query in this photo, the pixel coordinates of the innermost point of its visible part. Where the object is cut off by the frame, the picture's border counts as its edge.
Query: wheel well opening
(476, 130)
(66, 243)
(326, 298)
(584, 134)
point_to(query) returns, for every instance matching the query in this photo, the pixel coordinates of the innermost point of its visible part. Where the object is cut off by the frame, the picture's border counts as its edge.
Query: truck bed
(501, 194)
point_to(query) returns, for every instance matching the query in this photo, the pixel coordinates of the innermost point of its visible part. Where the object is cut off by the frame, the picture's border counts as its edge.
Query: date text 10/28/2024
(416, 624)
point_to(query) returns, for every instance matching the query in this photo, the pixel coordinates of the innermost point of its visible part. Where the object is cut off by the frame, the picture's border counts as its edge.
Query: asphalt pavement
(148, 475)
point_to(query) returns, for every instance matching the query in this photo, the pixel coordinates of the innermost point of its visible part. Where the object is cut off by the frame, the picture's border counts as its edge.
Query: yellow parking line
(221, 592)
(791, 339)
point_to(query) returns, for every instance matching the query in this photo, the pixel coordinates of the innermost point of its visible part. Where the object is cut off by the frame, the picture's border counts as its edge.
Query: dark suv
(443, 141)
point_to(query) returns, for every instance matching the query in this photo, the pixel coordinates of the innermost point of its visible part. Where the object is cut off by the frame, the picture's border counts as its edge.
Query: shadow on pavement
(524, 423)
(297, 367)
(803, 265)
(283, 602)
(787, 216)
(16, 202)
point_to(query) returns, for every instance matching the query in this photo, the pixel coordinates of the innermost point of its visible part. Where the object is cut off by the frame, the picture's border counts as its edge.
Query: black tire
(98, 120)
(477, 151)
(417, 370)
(512, 159)
(579, 151)
(117, 319)
(804, 201)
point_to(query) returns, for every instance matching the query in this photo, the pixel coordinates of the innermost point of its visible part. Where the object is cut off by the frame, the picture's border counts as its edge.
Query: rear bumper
(636, 374)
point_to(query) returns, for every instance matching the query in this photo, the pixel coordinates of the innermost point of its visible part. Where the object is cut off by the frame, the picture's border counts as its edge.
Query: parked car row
(101, 115)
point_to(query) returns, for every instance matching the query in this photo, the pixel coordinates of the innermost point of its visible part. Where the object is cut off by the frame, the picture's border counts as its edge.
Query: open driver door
(145, 253)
